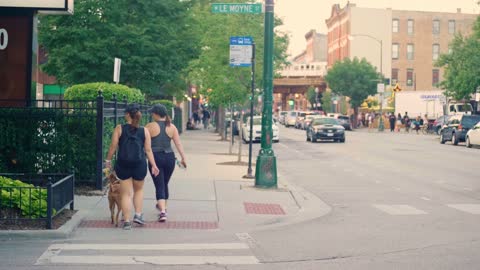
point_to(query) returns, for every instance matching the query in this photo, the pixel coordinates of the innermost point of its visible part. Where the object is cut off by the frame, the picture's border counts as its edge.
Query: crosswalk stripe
(212, 246)
(399, 209)
(53, 254)
(469, 208)
(157, 260)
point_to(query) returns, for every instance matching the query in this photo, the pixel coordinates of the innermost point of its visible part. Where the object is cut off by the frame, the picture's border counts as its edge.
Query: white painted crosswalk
(105, 254)
(408, 210)
(399, 209)
(468, 208)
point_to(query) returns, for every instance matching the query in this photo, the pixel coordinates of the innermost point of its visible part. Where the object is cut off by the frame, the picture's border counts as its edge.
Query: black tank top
(161, 142)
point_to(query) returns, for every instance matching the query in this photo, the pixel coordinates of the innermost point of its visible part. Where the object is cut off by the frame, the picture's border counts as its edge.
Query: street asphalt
(396, 201)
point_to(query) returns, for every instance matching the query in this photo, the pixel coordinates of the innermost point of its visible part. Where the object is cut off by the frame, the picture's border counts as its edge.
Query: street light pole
(381, 125)
(266, 168)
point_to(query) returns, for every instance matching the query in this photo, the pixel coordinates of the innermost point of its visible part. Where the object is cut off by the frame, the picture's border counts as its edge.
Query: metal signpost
(266, 168)
(380, 91)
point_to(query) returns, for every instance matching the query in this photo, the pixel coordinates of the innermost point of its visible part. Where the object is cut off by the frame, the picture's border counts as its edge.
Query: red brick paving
(178, 225)
(263, 208)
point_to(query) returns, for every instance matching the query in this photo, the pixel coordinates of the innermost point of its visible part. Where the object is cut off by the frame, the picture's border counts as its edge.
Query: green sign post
(266, 168)
(237, 8)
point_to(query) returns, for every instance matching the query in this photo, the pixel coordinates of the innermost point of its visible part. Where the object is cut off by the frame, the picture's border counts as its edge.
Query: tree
(155, 40)
(462, 65)
(312, 96)
(211, 71)
(356, 79)
(327, 101)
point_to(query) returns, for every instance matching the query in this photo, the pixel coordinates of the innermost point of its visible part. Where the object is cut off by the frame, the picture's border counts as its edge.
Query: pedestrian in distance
(163, 132)
(196, 118)
(359, 120)
(133, 142)
(399, 122)
(417, 123)
(371, 118)
(206, 119)
(407, 122)
(391, 119)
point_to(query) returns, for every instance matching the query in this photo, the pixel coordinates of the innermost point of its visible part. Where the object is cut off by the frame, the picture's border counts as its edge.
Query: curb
(310, 207)
(63, 232)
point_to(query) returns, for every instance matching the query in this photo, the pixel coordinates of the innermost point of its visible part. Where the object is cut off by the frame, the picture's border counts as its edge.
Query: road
(399, 201)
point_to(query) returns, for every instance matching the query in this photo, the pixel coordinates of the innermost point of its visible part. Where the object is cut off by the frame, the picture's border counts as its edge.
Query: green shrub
(167, 103)
(89, 91)
(31, 200)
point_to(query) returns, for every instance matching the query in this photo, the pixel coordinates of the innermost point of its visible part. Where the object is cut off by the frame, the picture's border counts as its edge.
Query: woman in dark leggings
(163, 132)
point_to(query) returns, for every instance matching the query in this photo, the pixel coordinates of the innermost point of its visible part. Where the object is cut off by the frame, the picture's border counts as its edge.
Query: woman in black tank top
(163, 132)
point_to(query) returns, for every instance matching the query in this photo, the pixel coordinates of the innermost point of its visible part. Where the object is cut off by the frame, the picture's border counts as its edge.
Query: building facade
(402, 45)
(418, 39)
(306, 70)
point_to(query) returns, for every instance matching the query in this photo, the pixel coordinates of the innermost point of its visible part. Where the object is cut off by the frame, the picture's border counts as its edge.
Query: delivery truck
(432, 103)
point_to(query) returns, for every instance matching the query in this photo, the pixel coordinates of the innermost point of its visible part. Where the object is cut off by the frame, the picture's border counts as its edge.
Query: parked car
(342, 119)
(439, 123)
(457, 128)
(325, 128)
(300, 118)
(281, 117)
(473, 136)
(308, 120)
(257, 130)
(291, 118)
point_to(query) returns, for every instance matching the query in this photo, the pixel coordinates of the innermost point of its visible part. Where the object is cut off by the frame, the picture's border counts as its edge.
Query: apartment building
(403, 45)
(418, 40)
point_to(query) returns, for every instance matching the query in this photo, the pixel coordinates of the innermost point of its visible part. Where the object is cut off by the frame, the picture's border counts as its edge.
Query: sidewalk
(206, 196)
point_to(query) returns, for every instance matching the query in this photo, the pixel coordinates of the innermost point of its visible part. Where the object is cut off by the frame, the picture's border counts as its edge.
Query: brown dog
(114, 197)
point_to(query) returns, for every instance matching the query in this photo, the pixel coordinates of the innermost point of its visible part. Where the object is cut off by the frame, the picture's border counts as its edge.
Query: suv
(439, 123)
(457, 127)
(291, 118)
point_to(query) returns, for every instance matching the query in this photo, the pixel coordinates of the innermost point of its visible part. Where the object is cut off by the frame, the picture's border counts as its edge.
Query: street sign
(380, 88)
(237, 8)
(116, 70)
(397, 88)
(241, 50)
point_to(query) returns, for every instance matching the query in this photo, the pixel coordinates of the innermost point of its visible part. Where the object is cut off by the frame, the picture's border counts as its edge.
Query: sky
(301, 16)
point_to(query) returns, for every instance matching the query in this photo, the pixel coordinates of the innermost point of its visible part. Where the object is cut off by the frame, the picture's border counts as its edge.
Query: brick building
(403, 45)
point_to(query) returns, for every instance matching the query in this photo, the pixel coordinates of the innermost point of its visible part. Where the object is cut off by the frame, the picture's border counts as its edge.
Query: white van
(291, 118)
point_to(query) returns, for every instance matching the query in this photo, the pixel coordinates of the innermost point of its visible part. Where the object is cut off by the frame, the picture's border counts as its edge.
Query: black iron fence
(39, 197)
(53, 136)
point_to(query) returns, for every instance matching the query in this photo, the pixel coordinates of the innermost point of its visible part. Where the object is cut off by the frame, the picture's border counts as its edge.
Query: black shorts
(135, 171)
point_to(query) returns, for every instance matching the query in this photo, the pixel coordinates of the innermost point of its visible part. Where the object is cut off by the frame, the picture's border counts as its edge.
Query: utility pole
(249, 170)
(266, 168)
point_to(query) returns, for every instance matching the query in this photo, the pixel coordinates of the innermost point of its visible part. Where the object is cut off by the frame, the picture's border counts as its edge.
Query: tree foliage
(327, 101)
(462, 65)
(355, 78)
(211, 71)
(155, 40)
(312, 96)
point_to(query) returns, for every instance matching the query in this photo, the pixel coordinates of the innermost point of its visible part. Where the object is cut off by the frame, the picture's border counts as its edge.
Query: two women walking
(133, 143)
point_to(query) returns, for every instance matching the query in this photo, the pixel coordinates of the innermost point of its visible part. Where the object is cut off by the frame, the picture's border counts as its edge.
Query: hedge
(89, 91)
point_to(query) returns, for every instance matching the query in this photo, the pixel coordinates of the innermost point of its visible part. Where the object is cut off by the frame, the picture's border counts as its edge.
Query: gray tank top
(161, 142)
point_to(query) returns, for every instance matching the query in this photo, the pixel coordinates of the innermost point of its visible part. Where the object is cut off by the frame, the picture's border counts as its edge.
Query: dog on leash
(114, 197)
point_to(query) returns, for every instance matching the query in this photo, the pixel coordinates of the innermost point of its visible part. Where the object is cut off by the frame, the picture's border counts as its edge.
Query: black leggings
(166, 164)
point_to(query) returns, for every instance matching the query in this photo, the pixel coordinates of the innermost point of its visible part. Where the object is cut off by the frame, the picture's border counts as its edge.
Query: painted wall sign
(3, 39)
(15, 65)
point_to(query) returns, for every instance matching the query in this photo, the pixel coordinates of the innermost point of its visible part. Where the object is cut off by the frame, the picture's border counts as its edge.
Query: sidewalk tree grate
(178, 225)
(263, 208)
